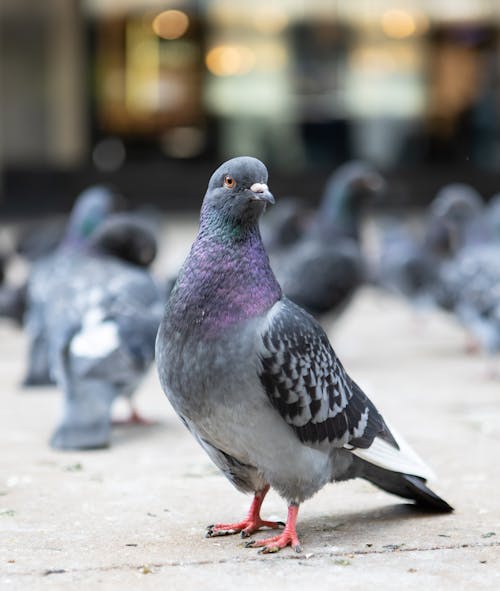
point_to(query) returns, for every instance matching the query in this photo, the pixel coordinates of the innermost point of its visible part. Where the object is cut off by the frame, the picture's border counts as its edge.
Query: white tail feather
(404, 460)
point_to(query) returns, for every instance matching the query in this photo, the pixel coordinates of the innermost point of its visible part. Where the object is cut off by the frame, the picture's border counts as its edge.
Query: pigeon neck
(74, 241)
(225, 280)
(339, 214)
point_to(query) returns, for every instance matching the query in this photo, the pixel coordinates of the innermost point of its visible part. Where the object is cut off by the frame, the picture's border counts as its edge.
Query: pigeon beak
(260, 192)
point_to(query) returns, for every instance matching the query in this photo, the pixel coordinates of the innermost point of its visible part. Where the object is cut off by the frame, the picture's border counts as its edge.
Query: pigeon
(13, 302)
(90, 210)
(284, 225)
(12, 297)
(39, 238)
(455, 224)
(3, 265)
(321, 271)
(255, 379)
(405, 267)
(409, 263)
(102, 320)
(455, 217)
(128, 237)
(493, 216)
(468, 278)
(470, 288)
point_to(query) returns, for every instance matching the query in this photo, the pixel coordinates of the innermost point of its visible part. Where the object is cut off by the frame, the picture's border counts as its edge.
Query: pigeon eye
(229, 182)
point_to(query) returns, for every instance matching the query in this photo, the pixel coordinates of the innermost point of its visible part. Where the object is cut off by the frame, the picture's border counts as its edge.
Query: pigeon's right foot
(248, 526)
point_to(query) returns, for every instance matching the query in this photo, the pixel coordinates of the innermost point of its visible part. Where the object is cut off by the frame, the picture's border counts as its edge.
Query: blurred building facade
(150, 95)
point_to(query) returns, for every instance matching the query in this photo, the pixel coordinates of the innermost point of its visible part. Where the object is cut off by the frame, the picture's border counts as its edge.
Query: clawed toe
(217, 533)
(217, 530)
(245, 528)
(273, 545)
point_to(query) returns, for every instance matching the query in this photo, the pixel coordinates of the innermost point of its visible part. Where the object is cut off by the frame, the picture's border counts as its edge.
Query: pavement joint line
(239, 559)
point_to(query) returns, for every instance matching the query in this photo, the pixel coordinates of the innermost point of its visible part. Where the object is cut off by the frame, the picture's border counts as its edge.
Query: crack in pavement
(253, 558)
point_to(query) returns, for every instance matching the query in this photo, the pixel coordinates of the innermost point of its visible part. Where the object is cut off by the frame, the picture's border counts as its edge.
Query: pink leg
(134, 419)
(472, 345)
(287, 538)
(248, 526)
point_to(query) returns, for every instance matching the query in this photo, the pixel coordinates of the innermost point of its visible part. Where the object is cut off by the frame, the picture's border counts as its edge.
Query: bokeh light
(171, 24)
(230, 60)
(398, 24)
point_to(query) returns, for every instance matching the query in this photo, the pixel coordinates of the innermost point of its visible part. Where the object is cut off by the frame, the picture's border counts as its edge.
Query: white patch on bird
(361, 426)
(92, 317)
(404, 460)
(96, 338)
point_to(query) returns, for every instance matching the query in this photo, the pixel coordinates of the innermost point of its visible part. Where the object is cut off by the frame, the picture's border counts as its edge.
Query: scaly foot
(287, 538)
(247, 527)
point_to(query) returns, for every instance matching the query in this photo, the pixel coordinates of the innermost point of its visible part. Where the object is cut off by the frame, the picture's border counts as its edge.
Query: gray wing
(308, 386)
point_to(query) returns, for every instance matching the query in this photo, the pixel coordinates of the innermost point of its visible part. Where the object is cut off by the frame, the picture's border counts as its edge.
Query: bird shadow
(371, 522)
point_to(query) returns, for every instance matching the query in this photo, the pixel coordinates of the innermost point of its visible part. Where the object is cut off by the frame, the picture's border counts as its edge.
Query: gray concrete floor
(133, 516)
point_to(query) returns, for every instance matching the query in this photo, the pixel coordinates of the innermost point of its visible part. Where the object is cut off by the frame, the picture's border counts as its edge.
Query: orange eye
(229, 182)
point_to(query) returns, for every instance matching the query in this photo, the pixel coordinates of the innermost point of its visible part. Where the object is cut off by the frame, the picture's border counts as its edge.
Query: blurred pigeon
(255, 379)
(455, 223)
(126, 236)
(470, 287)
(38, 238)
(284, 225)
(13, 302)
(90, 210)
(409, 263)
(346, 192)
(102, 320)
(469, 278)
(405, 266)
(12, 297)
(455, 217)
(322, 270)
(3, 264)
(492, 214)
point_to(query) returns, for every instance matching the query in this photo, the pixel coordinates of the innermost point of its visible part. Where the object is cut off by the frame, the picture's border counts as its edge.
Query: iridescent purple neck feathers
(225, 280)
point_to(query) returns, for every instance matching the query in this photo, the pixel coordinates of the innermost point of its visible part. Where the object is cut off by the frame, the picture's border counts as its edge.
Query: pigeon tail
(398, 470)
(406, 486)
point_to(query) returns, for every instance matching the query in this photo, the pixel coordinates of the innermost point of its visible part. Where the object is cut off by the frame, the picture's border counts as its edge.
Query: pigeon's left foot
(287, 538)
(248, 526)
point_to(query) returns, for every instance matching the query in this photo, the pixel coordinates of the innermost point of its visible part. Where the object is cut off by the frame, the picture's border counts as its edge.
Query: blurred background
(151, 95)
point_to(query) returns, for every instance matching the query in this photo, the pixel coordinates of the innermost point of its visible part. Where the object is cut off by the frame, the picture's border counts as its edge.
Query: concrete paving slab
(133, 516)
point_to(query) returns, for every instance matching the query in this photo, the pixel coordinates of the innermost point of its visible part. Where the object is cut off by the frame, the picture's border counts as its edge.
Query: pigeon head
(351, 184)
(237, 194)
(90, 210)
(457, 203)
(346, 192)
(126, 237)
(454, 219)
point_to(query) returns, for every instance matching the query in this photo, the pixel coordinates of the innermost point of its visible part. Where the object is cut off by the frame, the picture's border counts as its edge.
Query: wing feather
(309, 387)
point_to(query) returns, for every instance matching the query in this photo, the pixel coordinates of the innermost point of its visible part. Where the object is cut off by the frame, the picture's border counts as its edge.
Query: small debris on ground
(73, 467)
